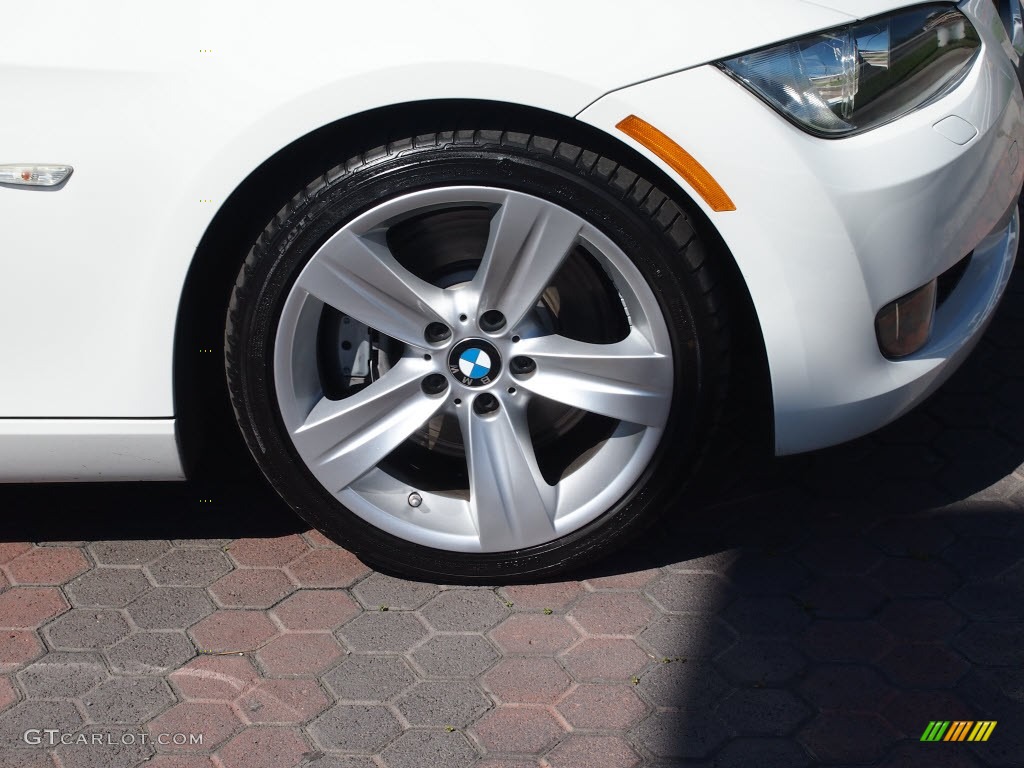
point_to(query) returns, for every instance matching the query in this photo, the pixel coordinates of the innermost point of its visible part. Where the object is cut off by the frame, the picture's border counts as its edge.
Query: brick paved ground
(822, 613)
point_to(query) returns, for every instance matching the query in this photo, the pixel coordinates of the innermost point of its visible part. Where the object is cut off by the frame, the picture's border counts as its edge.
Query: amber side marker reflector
(34, 175)
(681, 161)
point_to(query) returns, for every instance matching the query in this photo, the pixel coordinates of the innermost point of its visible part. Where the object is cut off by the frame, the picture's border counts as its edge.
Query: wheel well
(208, 438)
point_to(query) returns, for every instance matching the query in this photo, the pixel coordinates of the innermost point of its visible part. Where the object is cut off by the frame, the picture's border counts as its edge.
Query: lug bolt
(492, 320)
(437, 332)
(521, 365)
(434, 384)
(485, 404)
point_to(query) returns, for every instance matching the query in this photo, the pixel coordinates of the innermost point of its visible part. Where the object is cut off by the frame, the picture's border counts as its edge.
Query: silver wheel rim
(509, 505)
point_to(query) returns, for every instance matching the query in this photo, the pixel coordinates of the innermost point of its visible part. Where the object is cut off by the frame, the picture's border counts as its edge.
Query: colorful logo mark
(958, 730)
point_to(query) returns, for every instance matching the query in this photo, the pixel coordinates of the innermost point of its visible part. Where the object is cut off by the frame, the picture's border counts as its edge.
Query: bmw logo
(474, 363)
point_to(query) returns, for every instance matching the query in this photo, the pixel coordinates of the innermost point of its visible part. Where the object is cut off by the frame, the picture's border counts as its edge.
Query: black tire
(651, 227)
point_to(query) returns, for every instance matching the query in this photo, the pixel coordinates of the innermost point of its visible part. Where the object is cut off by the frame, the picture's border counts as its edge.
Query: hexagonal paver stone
(283, 701)
(455, 656)
(86, 629)
(523, 730)
(150, 653)
(107, 587)
(28, 607)
(304, 653)
(911, 537)
(200, 543)
(978, 558)
(586, 751)
(216, 722)
(14, 722)
(603, 613)
(62, 675)
(603, 707)
(464, 610)
(924, 665)
(47, 565)
(690, 592)
(221, 678)
(272, 552)
(369, 678)
(442, 704)
(11, 549)
(605, 659)
(691, 637)
(251, 588)
(377, 631)
(907, 577)
(920, 619)
(311, 609)
(262, 747)
(26, 757)
(363, 728)
(764, 753)
(687, 733)
(105, 747)
(343, 761)
(380, 590)
(679, 682)
(128, 552)
(833, 686)
(992, 642)
(18, 647)
(534, 633)
(170, 608)
(530, 633)
(908, 711)
(556, 595)
(625, 580)
(414, 749)
(767, 711)
(848, 737)
(990, 601)
(913, 754)
(759, 573)
(502, 762)
(189, 568)
(829, 640)
(8, 693)
(841, 596)
(327, 568)
(761, 661)
(848, 554)
(127, 700)
(527, 681)
(768, 615)
(233, 631)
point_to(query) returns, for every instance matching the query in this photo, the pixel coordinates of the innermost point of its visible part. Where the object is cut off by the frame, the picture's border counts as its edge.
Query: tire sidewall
(319, 215)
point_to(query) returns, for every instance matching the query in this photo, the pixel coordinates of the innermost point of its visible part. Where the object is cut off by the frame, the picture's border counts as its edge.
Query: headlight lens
(853, 78)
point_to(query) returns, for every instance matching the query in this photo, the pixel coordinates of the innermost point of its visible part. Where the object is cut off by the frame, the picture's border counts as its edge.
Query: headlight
(853, 78)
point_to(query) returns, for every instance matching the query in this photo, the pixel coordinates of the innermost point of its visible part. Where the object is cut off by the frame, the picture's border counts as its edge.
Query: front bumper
(827, 232)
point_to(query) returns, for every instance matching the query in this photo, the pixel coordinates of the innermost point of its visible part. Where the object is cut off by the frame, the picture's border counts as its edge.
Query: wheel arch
(208, 438)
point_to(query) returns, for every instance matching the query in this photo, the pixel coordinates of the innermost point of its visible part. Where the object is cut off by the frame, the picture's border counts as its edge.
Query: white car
(478, 275)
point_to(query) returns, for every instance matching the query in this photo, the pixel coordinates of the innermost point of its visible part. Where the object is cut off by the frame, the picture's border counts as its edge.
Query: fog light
(905, 325)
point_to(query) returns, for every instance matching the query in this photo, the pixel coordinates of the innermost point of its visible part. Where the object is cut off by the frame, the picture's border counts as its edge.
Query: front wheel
(477, 355)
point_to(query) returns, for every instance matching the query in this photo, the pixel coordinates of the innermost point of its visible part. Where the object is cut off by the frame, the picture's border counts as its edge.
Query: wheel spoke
(529, 239)
(627, 380)
(511, 503)
(359, 276)
(341, 440)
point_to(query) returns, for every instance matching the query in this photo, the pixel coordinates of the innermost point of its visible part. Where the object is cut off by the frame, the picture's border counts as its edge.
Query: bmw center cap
(474, 363)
